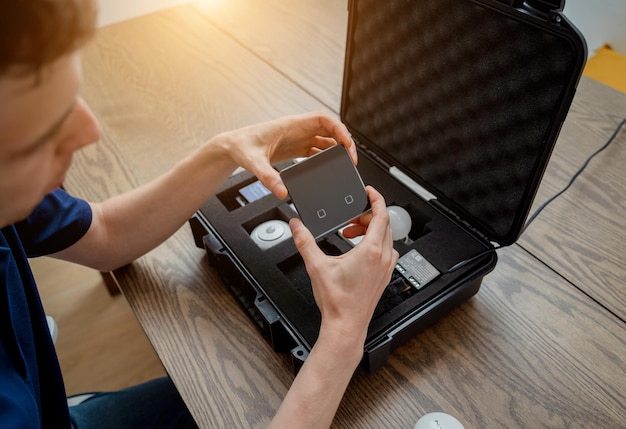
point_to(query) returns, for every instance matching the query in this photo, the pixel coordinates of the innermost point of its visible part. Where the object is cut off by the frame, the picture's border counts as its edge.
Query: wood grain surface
(528, 351)
(531, 350)
(582, 234)
(303, 40)
(163, 85)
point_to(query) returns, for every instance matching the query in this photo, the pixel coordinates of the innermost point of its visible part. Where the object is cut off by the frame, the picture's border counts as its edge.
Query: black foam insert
(281, 275)
(463, 97)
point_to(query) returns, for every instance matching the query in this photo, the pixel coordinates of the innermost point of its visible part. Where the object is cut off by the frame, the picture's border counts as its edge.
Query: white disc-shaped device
(438, 420)
(270, 233)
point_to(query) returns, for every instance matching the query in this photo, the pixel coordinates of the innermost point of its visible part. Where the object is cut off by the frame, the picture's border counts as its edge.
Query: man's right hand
(348, 287)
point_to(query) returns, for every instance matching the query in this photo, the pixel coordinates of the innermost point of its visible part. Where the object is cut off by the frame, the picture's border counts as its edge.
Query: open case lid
(465, 97)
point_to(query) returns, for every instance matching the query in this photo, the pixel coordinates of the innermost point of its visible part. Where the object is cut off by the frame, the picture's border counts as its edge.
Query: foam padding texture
(462, 96)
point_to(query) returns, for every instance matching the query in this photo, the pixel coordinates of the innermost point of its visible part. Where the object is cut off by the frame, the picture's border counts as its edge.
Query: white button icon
(321, 213)
(349, 199)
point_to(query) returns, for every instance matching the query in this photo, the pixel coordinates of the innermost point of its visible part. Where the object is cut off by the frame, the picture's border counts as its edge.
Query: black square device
(327, 190)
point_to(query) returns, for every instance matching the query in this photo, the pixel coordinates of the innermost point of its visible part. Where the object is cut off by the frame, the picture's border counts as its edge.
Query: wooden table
(541, 345)
(582, 235)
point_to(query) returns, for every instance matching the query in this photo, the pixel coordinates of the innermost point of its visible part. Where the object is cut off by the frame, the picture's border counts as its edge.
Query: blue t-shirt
(32, 394)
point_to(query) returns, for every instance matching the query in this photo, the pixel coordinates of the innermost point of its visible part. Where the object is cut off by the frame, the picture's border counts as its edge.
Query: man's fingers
(304, 241)
(360, 225)
(355, 230)
(378, 225)
(340, 133)
(270, 178)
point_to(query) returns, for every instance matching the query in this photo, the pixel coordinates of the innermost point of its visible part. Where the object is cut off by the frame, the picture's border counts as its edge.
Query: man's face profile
(43, 122)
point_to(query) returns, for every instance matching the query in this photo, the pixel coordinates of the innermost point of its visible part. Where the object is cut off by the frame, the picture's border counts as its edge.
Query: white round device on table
(270, 233)
(400, 222)
(438, 420)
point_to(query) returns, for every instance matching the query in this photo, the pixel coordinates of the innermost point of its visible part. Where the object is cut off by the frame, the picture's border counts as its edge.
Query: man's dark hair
(35, 33)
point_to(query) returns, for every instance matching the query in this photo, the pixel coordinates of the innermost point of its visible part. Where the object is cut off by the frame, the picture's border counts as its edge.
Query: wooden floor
(100, 345)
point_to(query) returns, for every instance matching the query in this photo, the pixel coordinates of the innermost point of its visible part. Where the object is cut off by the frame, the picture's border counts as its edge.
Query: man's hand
(348, 287)
(257, 147)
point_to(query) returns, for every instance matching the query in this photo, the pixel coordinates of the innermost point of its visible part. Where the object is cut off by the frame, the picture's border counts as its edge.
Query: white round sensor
(400, 222)
(270, 233)
(438, 420)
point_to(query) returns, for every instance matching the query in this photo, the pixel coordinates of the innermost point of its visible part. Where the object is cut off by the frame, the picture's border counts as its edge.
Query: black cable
(580, 170)
(546, 203)
(470, 259)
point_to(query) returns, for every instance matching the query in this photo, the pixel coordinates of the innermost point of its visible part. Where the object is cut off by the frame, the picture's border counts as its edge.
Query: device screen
(254, 191)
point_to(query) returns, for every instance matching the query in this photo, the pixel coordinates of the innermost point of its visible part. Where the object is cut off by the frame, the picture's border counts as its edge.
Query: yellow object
(608, 67)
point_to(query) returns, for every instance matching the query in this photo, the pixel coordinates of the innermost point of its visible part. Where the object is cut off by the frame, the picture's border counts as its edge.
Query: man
(43, 121)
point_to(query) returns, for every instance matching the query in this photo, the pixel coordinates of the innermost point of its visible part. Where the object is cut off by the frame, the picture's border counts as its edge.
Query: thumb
(304, 240)
(270, 178)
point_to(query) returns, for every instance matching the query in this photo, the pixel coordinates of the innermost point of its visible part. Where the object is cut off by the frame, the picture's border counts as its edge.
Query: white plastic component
(270, 233)
(400, 222)
(438, 420)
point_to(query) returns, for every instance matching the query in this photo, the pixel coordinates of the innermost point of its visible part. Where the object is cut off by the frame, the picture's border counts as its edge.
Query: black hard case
(466, 99)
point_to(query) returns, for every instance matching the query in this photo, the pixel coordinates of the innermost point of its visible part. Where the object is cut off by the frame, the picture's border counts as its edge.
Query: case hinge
(548, 10)
(547, 5)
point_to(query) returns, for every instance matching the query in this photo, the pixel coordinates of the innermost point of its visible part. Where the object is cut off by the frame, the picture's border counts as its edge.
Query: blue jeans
(154, 404)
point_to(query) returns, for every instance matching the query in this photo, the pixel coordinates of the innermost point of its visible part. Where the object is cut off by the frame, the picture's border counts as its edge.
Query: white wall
(600, 21)
(118, 10)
